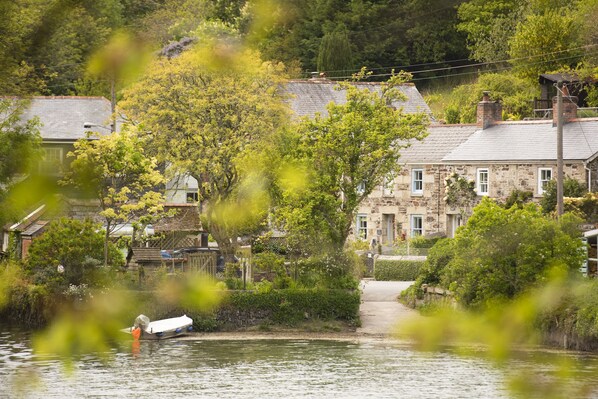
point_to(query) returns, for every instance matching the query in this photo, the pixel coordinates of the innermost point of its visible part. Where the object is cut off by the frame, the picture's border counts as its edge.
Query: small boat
(161, 329)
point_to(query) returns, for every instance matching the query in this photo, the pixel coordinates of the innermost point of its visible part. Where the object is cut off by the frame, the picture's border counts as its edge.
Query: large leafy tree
(502, 252)
(115, 170)
(489, 25)
(202, 113)
(335, 56)
(346, 154)
(545, 42)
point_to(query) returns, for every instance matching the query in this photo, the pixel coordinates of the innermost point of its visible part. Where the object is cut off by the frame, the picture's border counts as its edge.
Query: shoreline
(290, 335)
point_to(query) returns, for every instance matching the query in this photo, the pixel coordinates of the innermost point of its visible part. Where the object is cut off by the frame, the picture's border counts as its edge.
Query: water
(253, 369)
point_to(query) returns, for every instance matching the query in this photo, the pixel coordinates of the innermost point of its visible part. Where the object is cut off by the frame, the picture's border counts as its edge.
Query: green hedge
(241, 309)
(397, 270)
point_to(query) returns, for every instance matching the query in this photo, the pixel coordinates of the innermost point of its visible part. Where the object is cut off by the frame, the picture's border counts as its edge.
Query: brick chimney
(489, 112)
(569, 107)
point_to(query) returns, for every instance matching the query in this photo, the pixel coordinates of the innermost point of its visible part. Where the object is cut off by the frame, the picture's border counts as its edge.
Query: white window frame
(483, 187)
(361, 226)
(361, 188)
(542, 180)
(54, 164)
(416, 225)
(417, 185)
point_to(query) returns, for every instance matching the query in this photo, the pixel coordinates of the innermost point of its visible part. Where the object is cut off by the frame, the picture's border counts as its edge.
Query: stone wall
(402, 203)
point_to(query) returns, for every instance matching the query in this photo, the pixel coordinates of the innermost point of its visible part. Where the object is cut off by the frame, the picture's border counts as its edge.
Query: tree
(19, 147)
(571, 188)
(545, 42)
(76, 246)
(202, 113)
(489, 25)
(502, 252)
(115, 170)
(335, 56)
(513, 92)
(346, 154)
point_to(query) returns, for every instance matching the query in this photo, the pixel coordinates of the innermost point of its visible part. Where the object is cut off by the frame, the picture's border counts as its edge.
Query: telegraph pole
(559, 149)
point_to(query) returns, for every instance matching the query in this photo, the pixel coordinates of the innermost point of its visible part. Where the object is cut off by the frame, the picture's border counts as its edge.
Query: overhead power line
(480, 64)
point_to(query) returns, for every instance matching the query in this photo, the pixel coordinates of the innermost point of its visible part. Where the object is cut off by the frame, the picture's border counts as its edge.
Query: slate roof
(528, 142)
(441, 139)
(62, 118)
(310, 96)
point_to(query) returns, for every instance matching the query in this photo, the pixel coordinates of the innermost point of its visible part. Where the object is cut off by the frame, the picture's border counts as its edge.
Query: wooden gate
(202, 262)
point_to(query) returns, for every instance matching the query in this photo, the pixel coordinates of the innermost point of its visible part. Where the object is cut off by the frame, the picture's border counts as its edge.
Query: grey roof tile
(62, 118)
(307, 97)
(441, 139)
(528, 141)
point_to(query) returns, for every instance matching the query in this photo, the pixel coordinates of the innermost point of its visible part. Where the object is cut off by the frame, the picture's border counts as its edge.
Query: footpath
(380, 311)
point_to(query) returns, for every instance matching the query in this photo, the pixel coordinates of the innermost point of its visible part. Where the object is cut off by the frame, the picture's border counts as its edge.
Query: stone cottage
(496, 156)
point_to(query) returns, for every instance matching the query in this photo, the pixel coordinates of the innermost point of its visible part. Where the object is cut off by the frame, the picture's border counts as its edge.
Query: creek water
(254, 368)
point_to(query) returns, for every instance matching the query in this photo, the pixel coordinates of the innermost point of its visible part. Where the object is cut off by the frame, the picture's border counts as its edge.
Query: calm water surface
(252, 369)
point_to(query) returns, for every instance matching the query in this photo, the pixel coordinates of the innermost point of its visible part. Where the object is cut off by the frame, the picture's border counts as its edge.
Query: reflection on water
(252, 369)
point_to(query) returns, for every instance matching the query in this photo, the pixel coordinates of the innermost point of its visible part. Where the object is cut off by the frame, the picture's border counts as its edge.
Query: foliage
(585, 207)
(574, 313)
(334, 55)
(19, 147)
(77, 246)
(205, 113)
(513, 92)
(423, 242)
(459, 191)
(489, 25)
(285, 307)
(382, 33)
(397, 270)
(545, 42)
(571, 188)
(505, 329)
(440, 255)
(115, 170)
(346, 155)
(503, 252)
(518, 198)
(332, 271)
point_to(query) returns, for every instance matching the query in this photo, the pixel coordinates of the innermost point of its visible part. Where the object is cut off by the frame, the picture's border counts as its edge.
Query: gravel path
(380, 311)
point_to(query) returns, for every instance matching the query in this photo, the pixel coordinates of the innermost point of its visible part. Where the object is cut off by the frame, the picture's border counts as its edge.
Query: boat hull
(166, 328)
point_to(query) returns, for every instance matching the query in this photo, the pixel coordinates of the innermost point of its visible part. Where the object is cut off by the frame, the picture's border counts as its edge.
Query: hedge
(241, 309)
(397, 270)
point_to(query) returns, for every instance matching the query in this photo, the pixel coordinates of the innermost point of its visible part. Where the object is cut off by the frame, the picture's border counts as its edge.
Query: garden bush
(242, 309)
(397, 270)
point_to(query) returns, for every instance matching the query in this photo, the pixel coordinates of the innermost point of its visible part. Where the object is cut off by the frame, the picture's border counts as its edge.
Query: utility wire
(469, 65)
(472, 65)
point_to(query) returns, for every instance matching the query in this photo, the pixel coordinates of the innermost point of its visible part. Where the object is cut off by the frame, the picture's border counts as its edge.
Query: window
(388, 186)
(417, 181)
(417, 225)
(544, 176)
(192, 197)
(482, 182)
(362, 226)
(51, 162)
(361, 188)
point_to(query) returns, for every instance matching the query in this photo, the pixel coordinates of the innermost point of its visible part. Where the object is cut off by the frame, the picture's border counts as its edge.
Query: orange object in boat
(136, 333)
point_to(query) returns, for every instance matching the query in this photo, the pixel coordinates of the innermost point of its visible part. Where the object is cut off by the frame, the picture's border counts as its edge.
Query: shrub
(397, 270)
(78, 247)
(241, 309)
